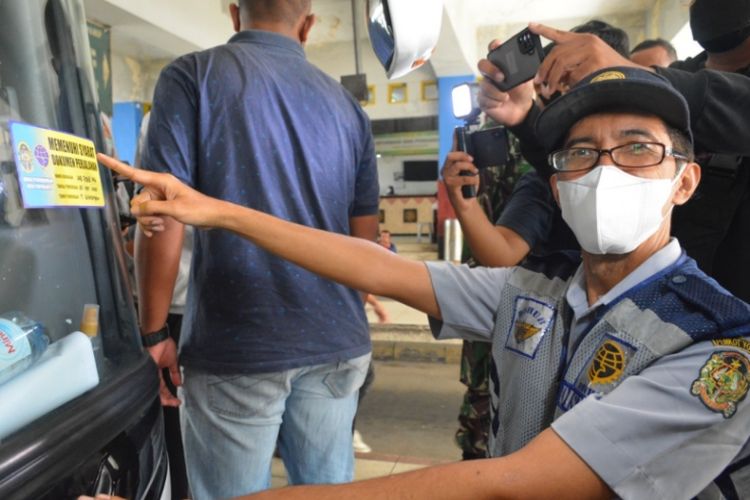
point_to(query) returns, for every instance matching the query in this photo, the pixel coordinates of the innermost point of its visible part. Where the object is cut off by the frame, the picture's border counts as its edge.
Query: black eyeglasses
(632, 155)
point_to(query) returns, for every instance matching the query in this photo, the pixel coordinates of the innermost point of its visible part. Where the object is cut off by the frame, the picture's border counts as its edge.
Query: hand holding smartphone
(489, 148)
(518, 58)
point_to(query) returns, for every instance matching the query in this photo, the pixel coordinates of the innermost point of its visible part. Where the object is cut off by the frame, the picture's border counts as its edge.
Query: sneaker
(358, 443)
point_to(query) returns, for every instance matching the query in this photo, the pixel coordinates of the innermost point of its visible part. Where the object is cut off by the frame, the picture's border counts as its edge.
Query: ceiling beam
(164, 28)
(455, 51)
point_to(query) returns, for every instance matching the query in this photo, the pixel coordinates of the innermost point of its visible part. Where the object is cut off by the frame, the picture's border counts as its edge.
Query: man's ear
(687, 184)
(234, 12)
(305, 27)
(553, 185)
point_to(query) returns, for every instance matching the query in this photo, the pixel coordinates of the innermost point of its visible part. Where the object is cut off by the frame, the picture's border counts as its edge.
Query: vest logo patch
(608, 364)
(532, 319)
(605, 367)
(723, 382)
(525, 331)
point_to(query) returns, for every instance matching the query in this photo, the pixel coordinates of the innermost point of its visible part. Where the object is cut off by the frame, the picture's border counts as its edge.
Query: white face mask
(612, 212)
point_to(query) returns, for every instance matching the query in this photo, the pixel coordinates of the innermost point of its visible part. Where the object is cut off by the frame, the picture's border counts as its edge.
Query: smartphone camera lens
(525, 43)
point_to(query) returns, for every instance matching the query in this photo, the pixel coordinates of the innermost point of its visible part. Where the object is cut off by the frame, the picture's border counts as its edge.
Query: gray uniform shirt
(652, 435)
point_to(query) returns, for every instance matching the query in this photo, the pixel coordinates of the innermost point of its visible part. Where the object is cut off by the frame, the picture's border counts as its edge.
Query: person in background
(715, 225)
(358, 442)
(172, 430)
(380, 311)
(613, 36)
(654, 52)
(385, 241)
(621, 370)
(269, 352)
(495, 188)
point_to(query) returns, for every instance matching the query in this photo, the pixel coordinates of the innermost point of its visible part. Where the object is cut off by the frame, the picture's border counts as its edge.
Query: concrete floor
(411, 411)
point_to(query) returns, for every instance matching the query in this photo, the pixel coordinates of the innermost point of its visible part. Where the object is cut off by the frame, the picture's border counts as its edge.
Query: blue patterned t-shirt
(254, 123)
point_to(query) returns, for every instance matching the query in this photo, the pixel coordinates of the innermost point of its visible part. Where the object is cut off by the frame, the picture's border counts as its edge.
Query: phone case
(518, 59)
(489, 147)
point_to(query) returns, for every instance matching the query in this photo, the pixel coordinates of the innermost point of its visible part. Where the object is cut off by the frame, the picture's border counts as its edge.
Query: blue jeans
(231, 424)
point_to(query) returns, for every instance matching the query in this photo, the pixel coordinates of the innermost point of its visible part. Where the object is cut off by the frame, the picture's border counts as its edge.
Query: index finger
(135, 174)
(457, 156)
(549, 33)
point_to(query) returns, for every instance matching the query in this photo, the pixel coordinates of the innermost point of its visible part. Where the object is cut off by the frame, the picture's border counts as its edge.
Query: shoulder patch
(723, 382)
(737, 343)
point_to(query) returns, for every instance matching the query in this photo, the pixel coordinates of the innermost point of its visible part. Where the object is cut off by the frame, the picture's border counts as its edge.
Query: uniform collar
(576, 294)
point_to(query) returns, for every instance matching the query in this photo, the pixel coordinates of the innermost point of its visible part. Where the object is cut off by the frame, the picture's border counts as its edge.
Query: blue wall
(446, 121)
(126, 123)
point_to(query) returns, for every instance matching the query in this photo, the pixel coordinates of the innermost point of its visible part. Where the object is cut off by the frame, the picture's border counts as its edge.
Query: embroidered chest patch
(608, 363)
(532, 319)
(602, 372)
(723, 382)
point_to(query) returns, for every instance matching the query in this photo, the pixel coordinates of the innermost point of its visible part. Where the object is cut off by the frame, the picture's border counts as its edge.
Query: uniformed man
(622, 370)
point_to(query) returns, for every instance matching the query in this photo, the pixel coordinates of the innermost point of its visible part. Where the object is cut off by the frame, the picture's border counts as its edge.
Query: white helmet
(403, 33)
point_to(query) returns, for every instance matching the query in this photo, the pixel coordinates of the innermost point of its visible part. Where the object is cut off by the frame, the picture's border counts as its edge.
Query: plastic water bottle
(22, 341)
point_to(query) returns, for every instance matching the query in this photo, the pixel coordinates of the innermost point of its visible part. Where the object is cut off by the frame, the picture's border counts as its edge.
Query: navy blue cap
(608, 89)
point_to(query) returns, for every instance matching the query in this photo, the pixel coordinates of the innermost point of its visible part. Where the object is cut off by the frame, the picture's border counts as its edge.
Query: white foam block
(65, 370)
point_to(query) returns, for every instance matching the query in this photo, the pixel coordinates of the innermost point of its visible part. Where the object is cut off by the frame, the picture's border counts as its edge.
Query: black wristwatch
(152, 338)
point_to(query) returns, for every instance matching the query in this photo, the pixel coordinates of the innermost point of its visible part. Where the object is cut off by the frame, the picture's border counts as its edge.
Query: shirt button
(679, 279)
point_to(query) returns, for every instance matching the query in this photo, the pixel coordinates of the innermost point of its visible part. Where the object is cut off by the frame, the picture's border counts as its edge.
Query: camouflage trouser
(474, 416)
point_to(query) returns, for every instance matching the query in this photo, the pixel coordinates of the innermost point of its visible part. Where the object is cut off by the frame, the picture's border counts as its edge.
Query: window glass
(54, 261)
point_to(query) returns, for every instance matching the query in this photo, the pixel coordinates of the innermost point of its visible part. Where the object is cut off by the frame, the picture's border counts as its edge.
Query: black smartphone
(489, 147)
(518, 58)
(463, 143)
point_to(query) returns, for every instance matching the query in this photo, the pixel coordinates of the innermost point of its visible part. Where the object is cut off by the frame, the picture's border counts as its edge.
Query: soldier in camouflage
(495, 188)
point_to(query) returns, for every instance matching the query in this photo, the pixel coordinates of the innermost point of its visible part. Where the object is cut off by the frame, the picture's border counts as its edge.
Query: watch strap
(152, 338)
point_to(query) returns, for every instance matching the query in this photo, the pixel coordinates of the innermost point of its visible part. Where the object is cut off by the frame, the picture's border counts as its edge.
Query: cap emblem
(608, 75)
